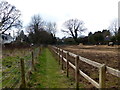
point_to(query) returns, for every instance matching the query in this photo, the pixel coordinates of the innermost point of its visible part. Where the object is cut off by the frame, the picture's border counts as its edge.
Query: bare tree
(114, 27)
(51, 28)
(36, 24)
(9, 17)
(74, 27)
(35, 29)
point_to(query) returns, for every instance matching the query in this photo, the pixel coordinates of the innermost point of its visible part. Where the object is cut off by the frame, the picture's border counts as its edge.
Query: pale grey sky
(96, 14)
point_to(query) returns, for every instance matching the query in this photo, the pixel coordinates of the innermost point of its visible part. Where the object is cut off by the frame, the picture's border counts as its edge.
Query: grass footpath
(48, 73)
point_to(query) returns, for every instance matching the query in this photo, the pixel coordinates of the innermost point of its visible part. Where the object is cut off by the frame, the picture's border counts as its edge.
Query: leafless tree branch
(9, 17)
(74, 27)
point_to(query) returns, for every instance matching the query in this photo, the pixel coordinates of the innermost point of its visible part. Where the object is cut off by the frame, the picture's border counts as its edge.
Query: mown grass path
(49, 74)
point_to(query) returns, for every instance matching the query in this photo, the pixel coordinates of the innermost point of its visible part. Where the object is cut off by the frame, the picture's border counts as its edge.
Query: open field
(45, 77)
(103, 54)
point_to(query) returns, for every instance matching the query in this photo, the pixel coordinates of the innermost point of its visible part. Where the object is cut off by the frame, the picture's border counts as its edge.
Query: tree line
(97, 38)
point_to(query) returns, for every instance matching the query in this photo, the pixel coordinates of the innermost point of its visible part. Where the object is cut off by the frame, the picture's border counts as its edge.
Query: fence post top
(103, 65)
(67, 52)
(21, 58)
(77, 56)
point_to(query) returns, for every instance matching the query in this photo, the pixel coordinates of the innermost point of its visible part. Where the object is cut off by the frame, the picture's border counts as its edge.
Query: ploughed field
(109, 55)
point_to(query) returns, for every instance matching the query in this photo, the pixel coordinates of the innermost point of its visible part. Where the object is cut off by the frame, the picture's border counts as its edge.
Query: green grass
(49, 73)
(11, 68)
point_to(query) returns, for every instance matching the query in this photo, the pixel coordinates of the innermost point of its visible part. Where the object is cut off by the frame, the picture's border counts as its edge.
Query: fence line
(27, 66)
(102, 67)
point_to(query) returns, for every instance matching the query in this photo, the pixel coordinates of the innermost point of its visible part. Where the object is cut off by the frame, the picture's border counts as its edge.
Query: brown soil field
(109, 55)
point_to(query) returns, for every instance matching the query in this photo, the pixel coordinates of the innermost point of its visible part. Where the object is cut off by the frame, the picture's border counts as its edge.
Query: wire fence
(12, 73)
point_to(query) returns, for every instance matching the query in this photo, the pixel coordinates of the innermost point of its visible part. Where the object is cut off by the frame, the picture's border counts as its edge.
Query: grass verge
(48, 73)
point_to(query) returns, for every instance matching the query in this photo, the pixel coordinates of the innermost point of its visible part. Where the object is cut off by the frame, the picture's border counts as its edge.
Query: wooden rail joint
(102, 76)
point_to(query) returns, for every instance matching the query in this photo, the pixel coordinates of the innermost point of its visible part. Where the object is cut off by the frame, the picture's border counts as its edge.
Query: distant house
(6, 38)
(107, 38)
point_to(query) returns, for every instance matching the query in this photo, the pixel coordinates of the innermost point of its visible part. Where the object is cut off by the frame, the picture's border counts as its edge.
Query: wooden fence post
(57, 52)
(67, 64)
(59, 55)
(23, 82)
(62, 59)
(32, 60)
(77, 71)
(39, 51)
(102, 76)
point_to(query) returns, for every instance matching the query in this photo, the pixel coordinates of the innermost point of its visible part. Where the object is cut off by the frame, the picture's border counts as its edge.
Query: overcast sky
(96, 14)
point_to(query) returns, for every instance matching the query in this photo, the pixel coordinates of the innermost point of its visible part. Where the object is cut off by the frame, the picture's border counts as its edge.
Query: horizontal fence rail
(103, 69)
(113, 71)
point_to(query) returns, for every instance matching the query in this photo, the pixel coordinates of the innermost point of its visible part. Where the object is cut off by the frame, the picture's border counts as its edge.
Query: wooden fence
(18, 76)
(102, 67)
